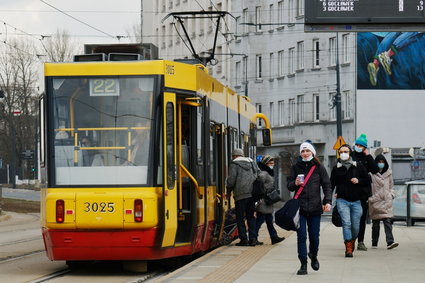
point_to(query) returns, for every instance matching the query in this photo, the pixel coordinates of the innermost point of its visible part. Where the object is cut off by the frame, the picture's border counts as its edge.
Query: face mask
(308, 158)
(381, 165)
(358, 149)
(271, 167)
(344, 156)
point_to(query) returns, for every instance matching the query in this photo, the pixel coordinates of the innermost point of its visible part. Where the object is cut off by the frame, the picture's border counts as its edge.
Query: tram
(135, 156)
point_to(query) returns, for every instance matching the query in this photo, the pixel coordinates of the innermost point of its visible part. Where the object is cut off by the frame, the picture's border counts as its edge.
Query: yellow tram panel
(150, 210)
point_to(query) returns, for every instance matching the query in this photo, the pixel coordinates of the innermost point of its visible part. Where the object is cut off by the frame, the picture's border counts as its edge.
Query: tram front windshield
(101, 129)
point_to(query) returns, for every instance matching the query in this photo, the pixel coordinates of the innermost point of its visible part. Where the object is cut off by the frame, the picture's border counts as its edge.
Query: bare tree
(134, 33)
(18, 80)
(60, 47)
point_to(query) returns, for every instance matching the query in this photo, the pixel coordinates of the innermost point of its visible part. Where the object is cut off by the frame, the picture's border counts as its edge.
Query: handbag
(288, 217)
(272, 197)
(336, 217)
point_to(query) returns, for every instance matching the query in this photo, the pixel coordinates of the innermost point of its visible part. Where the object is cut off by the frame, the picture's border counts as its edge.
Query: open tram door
(169, 192)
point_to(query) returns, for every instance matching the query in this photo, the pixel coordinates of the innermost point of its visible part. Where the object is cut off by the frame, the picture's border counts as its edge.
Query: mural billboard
(390, 60)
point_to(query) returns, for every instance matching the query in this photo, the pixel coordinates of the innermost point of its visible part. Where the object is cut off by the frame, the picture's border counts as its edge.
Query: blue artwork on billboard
(391, 60)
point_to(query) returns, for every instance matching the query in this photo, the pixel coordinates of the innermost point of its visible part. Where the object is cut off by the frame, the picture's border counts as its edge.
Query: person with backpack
(315, 177)
(243, 171)
(264, 210)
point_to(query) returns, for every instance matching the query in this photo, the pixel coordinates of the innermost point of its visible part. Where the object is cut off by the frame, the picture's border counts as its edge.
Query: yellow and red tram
(135, 157)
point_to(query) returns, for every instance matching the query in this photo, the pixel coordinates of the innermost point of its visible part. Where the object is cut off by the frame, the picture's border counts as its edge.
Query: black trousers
(388, 227)
(365, 207)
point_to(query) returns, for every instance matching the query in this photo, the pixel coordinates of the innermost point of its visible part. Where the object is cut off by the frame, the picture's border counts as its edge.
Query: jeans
(363, 220)
(351, 213)
(388, 227)
(245, 208)
(269, 221)
(312, 225)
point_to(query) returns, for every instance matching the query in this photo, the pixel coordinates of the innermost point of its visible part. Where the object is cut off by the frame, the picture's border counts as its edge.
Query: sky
(107, 18)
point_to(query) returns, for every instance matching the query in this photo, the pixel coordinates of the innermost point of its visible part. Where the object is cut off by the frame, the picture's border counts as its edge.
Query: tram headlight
(138, 210)
(60, 211)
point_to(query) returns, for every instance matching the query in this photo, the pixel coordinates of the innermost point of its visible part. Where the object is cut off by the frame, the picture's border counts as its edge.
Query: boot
(314, 262)
(349, 248)
(303, 268)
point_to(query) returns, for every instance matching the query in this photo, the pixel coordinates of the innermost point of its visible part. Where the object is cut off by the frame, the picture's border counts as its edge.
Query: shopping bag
(288, 217)
(336, 217)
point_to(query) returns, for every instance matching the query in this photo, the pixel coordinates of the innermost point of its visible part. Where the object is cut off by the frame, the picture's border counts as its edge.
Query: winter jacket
(381, 201)
(242, 173)
(341, 179)
(369, 163)
(268, 181)
(310, 199)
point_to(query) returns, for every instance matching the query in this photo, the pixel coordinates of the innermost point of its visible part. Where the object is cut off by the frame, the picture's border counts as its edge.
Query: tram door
(188, 179)
(169, 195)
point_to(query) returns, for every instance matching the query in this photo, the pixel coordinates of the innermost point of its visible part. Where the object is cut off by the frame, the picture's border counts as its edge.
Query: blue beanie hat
(361, 140)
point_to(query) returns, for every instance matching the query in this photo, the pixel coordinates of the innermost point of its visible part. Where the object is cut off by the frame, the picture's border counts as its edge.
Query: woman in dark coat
(352, 182)
(311, 204)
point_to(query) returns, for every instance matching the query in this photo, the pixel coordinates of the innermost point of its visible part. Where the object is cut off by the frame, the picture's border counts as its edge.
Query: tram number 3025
(103, 207)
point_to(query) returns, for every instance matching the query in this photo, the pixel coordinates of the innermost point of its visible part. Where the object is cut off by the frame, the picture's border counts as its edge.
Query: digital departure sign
(366, 14)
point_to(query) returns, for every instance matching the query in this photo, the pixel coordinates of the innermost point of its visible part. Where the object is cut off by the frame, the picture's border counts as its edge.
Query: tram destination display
(361, 13)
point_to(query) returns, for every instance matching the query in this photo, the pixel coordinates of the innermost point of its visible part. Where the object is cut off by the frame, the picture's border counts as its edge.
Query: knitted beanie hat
(361, 140)
(237, 152)
(307, 145)
(266, 159)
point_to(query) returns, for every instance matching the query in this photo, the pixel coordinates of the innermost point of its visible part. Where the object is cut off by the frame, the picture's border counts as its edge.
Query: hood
(380, 157)
(244, 162)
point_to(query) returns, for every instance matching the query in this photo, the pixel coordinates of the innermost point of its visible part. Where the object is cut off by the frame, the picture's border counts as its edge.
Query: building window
(291, 10)
(280, 70)
(258, 18)
(259, 67)
(271, 114)
(346, 48)
(237, 73)
(291, 112)
(291, 62)
(346, 104)
(300, 108)
(280, 13)
(300, 7)
(316, 107)
(332, 110)
(259, 110)
(245, 70)
(245, 20)
(300, 55)
(271, 15)
(332, 51)
(281, 114)
(316, 54)
(271, 65)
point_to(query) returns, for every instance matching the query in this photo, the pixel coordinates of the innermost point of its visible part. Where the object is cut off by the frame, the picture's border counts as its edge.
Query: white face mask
(344, 156)
(308, 158)
(271, 167)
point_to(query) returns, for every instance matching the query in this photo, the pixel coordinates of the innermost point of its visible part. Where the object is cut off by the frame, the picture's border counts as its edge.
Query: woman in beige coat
(381, 202)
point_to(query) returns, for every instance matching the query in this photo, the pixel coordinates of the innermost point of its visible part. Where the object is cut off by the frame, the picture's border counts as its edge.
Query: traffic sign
(27, 154)
(340, 141)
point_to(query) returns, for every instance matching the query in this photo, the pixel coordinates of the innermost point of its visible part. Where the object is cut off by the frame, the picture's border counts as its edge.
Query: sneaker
(277, 240)
(242, 243)
(385, 60)
(373, 73)
(361, 246)
(392, 245)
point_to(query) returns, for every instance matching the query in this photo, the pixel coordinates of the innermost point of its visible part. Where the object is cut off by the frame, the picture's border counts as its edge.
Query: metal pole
(408, 205)
(338, 94)
(141, 21)
(13, 169)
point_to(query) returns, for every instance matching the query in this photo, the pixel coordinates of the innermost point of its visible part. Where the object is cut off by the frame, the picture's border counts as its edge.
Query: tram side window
(199, 143)
(213, 155)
